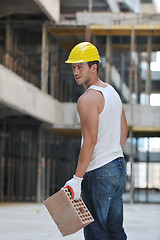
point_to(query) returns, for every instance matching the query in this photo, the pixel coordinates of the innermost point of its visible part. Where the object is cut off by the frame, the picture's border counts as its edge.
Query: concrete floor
(31, 221)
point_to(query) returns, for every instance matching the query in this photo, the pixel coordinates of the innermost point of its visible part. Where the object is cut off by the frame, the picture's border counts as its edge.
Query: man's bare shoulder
(91, 99)
(89, 96)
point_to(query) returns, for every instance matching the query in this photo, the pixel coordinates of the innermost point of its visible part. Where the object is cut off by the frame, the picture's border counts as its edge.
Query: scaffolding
(36, 160)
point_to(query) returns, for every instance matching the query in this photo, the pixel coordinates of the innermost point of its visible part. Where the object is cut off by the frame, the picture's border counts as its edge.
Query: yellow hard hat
(83, 52)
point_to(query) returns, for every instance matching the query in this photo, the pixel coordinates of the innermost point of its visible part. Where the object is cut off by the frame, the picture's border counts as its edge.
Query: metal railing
(21, 64)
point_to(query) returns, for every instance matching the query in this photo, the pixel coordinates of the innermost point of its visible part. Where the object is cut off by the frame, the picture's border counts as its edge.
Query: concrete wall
(148, 8)
(109, 19)
(51, 8)
(23, 97)
(140, 117)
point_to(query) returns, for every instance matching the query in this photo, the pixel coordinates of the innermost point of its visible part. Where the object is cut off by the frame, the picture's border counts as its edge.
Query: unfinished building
(39, 129)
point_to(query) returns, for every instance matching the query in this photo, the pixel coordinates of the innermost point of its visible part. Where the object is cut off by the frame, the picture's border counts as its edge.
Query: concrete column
(139, 75)
(41, 167)
(57, 71)
(131, 75)
(2, 162)
(147, 172)
(15, 50)
(94, 40)
(131, 160)
(131, 70)
(9, 43)
(136, 82)
(52, 67)
(148, 85)
(122, 72)
(87, 34)
(90, 5)
(108, 59)
(48, 165)
(44, 66)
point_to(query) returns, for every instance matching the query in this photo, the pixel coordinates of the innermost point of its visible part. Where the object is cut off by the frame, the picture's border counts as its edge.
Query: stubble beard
(84, 83)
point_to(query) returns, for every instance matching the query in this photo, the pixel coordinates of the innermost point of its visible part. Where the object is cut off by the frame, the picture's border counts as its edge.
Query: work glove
(74, 186)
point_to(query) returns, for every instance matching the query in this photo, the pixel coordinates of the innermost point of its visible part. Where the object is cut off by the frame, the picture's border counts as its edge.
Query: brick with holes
(69, 215)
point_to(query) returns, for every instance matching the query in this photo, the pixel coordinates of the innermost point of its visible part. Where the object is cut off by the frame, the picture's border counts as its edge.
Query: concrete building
(39, 129)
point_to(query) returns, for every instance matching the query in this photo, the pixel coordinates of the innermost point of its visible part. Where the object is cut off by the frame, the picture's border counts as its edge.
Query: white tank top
(108, 146)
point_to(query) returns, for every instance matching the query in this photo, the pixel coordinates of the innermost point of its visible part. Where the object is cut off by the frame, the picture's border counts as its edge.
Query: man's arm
(88, 112)
(89, 115)
(124, 129)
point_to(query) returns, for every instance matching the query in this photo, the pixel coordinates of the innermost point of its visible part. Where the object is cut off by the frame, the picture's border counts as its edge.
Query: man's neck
(96, 81)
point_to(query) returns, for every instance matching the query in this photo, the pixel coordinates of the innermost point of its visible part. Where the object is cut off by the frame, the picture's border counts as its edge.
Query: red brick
(69, 215)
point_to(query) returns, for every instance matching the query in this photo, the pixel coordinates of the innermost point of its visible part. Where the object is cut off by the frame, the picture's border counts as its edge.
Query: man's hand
(74, 185)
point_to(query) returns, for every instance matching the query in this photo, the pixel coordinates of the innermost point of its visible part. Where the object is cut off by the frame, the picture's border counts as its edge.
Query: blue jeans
(102, 191)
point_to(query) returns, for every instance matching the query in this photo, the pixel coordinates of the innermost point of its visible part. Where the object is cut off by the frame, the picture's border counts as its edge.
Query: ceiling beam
(125, 30)
(114, 6)
(100, 30)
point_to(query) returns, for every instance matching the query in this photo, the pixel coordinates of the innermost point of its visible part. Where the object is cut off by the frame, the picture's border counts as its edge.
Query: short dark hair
(92, 63)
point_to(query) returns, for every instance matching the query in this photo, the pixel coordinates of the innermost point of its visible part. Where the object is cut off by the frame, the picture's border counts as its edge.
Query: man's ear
(94, 67)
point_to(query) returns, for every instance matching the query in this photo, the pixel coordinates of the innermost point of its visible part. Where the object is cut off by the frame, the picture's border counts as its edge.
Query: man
(101, 165)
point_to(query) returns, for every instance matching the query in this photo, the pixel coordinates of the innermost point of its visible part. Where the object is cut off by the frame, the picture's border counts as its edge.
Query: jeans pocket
(108, 172)
(105, 188)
